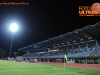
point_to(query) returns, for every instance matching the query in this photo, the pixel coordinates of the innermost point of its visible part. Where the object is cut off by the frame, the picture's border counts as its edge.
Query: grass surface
(21, 68)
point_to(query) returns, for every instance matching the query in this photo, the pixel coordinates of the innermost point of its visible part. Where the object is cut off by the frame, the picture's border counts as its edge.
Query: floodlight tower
(13, 28)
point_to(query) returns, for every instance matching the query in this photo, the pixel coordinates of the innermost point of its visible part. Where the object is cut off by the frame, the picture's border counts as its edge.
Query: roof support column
(96, 43)
(62, 49)
(87, 44)
(72, 47)
(79, 45)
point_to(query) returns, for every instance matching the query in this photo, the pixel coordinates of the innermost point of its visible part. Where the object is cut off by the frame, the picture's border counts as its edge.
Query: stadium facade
(80, 46)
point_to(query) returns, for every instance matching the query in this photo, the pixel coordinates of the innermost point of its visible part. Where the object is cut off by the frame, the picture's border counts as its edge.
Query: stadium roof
(90, 32)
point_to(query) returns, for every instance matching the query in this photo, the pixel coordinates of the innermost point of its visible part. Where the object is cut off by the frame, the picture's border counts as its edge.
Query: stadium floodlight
(13, 28)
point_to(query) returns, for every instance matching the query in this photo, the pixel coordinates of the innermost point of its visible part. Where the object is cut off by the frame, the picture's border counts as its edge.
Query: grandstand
(80, 46)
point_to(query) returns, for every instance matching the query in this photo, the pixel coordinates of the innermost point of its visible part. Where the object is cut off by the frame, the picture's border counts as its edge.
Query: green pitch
(21, 68)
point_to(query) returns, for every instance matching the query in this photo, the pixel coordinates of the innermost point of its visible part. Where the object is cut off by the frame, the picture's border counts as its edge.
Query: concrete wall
(70, 62)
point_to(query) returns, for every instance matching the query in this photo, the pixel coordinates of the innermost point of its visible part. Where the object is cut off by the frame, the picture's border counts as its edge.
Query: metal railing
(94, 52)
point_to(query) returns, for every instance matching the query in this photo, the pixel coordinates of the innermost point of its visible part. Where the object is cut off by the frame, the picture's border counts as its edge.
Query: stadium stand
(80, 46)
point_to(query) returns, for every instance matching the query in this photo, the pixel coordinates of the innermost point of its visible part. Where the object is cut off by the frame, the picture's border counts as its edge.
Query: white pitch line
(28, 70)
(13, 70)
(83, 69)
(48, 69)
(54, 67)
(60, 73)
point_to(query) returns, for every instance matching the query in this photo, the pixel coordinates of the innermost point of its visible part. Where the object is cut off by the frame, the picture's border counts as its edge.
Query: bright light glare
(14, 27)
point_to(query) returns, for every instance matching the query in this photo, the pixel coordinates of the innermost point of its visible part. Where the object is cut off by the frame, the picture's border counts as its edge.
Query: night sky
(41, 20)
